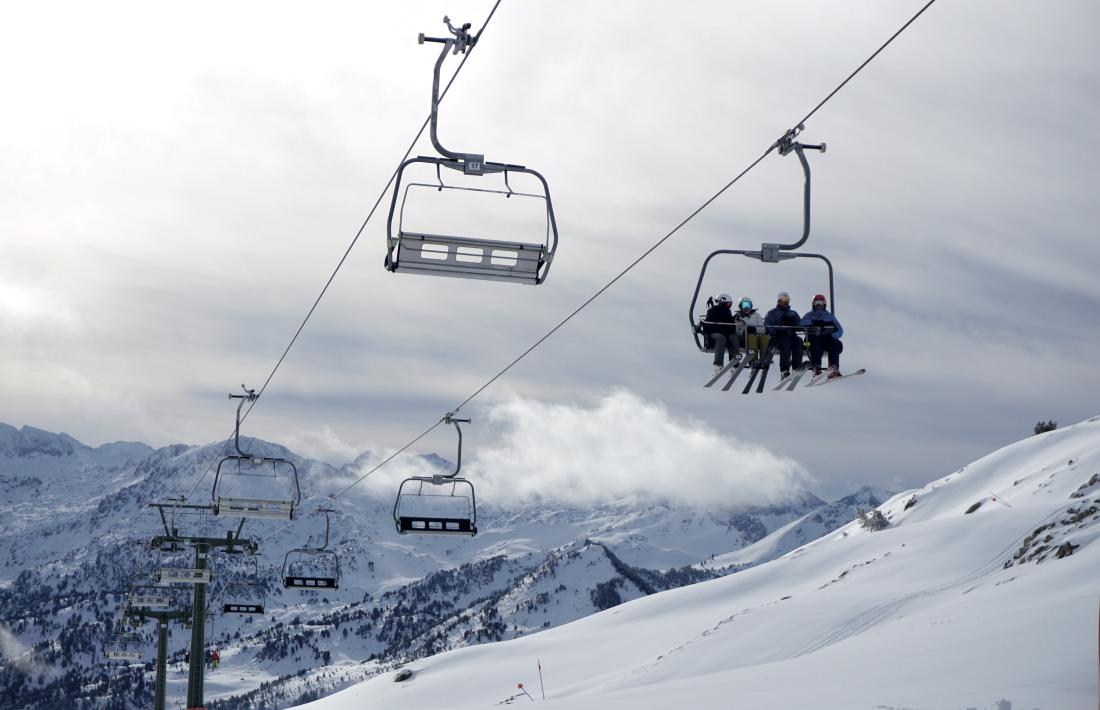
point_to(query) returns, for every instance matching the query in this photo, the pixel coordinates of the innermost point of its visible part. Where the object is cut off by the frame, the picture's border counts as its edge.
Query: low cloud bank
(622, 446)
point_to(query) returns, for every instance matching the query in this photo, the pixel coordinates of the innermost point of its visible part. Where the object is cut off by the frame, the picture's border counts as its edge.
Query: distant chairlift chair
(237, 472)
(170, 574)
(308, 568)
(465, 256)
(245, 596)
(125, 647)
(439, 504)
(150, 596)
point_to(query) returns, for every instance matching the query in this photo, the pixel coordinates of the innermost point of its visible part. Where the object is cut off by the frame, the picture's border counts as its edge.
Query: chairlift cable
(866, 62)
(622, 273)
(351, 246)
(691, 216)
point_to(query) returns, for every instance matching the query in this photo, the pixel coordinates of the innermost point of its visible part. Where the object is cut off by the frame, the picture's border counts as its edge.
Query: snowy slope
(943, 609)
(798, 532)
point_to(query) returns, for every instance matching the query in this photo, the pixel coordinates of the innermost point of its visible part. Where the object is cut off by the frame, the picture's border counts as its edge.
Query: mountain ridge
(74, 552)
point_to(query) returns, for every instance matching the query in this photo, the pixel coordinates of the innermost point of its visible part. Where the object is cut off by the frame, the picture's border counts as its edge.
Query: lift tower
(198, 576)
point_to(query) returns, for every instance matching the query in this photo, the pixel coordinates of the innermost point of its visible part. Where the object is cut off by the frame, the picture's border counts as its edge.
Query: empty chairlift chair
(245, 596)
(441, 252)
(248, 486)
(172, 568)
(150, 596)
(439, 504)
(169, 573)
(126, 646)
(307, 568)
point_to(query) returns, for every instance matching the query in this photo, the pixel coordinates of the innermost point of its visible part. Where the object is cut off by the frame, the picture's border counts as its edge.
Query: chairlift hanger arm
(786, 144)
(472, 162)
(451, 419)
(248, 396)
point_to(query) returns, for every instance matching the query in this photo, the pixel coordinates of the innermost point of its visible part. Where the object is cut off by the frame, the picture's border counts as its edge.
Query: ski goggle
(745, 305)
(819, 302)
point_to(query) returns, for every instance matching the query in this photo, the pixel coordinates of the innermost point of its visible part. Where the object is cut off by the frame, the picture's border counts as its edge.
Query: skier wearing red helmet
(823, 331)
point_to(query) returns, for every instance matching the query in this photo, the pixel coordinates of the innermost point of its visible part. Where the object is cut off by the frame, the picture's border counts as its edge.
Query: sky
(176, 188)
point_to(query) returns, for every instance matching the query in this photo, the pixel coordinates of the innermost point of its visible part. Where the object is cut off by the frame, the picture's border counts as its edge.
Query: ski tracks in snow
(888, 609)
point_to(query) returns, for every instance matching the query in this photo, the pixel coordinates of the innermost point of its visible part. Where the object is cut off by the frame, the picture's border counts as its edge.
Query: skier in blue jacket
(823, 331)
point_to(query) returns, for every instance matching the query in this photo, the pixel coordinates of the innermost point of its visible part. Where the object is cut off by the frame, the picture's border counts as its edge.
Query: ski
(737, 371)
(797, 377)
(761, 367)
(718, 375)
(752, 378)
(784, 381)
(763, 377)
(837, 379)
(818, 378)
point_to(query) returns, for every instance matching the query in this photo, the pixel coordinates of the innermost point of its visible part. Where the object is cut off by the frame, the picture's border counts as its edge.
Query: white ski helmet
(724, 298)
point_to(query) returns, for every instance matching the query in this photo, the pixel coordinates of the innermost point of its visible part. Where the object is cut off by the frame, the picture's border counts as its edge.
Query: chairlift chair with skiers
(249, 486)
(442, 252)
(307, 568)
(441, 504)
(768, 253)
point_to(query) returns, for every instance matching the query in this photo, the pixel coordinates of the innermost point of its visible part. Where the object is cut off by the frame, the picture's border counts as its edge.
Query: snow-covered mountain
(981, 592)
(74, 524)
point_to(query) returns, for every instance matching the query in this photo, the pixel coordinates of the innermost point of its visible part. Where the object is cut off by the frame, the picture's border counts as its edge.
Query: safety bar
(472, 163)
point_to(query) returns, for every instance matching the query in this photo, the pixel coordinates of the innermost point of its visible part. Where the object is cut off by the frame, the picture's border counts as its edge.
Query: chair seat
(255, 508)
(436, 526)
(190, 576)
(464, 257)
(311, 582)
(242, 608)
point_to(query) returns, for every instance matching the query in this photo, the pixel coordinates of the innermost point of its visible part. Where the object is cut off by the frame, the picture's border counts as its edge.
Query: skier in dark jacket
(823, 331)
(715, 329)
(781, 323)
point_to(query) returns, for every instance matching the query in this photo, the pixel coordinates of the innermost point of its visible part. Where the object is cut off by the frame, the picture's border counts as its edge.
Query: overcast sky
(176, 185)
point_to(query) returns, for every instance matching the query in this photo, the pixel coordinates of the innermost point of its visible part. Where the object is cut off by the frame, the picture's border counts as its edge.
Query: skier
(824, 332)
(755, 339)
(715, 329)
(215, 658)
(781, 323)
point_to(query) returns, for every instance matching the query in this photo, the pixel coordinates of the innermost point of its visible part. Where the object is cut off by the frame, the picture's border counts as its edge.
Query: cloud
(619, 447)
(321, 443)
